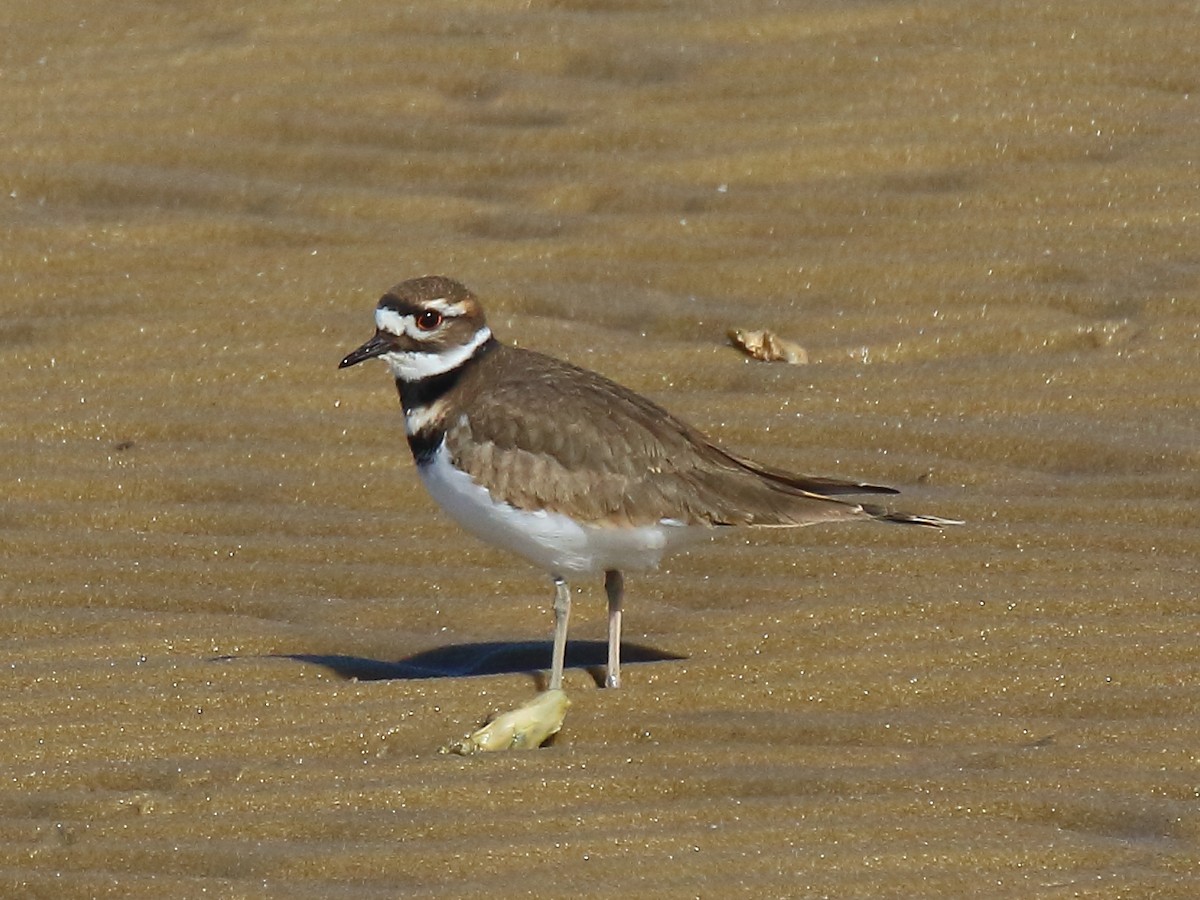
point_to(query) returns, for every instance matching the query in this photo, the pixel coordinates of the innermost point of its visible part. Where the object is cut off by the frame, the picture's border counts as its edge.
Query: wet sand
(226, 600)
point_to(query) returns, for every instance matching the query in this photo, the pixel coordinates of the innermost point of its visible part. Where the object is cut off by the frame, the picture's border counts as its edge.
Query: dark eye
(429, 319)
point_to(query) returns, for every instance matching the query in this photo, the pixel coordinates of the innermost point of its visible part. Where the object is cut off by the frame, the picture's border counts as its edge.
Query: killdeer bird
(565, 468)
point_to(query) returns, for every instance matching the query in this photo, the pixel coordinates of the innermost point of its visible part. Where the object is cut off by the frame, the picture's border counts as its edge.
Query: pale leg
(614, 586)
(562, 614)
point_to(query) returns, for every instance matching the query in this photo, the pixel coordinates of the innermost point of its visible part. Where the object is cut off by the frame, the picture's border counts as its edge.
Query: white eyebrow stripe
(445, 307)
(391, 321)
(404, 323)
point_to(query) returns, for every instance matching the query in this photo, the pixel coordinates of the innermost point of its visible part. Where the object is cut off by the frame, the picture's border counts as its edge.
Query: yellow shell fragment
(523, 728)
(768, 346)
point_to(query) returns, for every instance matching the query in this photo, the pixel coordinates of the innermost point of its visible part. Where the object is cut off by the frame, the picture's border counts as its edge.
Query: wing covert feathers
(611, 456)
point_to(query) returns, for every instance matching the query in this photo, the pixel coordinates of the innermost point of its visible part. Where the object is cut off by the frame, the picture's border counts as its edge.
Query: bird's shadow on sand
(465, 660)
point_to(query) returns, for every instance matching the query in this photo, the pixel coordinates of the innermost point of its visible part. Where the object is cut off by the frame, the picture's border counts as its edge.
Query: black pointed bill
(380, 344)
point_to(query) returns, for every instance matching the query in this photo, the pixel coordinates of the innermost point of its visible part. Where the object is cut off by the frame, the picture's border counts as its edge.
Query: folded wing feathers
(637, 467)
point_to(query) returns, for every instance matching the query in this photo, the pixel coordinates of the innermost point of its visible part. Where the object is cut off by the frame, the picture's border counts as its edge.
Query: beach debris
(768, 346)
(524, 728)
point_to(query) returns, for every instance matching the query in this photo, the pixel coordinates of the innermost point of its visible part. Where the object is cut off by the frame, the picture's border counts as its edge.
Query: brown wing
(606, 454)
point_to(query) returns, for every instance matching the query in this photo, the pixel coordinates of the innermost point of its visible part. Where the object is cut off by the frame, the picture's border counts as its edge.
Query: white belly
(551, 541)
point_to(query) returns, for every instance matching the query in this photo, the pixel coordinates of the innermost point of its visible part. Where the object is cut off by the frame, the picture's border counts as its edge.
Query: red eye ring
(428, 319)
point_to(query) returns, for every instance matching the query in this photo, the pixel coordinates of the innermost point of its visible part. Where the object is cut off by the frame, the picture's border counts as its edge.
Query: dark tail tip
(886, 515)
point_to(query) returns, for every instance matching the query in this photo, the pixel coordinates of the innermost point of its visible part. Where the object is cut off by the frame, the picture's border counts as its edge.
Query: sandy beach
(236, 631)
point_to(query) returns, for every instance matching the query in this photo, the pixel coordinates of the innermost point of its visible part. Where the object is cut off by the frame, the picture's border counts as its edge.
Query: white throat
(414, 365)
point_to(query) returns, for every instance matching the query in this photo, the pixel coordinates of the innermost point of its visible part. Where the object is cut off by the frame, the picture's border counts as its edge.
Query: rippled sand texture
(222, 583)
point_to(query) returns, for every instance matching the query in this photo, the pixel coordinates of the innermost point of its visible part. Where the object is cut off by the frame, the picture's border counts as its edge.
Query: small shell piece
(524, 728)
(768, 346)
